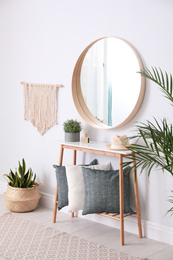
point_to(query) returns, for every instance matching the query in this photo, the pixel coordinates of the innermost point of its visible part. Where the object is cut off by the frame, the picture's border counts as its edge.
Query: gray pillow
(102, 191)
(61, 178)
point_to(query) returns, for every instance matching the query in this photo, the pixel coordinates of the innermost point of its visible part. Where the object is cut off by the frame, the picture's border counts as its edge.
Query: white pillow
(76, 188)
(105, 167)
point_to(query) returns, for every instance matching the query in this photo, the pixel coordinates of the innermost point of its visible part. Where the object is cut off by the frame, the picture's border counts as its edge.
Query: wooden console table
(100, 148)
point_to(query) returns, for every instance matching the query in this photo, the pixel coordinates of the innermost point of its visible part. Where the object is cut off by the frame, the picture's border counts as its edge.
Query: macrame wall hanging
(40, 105)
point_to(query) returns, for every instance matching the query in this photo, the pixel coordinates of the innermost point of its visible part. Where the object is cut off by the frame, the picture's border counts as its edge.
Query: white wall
(40, 41)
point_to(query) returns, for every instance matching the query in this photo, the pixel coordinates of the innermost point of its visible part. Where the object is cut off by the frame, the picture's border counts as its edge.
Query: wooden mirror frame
(78, 99)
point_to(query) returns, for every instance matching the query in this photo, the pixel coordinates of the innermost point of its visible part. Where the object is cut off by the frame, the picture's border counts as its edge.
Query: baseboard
(158, 232)
(47, 200)
(150, 230)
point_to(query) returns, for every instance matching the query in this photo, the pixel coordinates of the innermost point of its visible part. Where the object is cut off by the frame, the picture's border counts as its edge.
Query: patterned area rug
(22, 239)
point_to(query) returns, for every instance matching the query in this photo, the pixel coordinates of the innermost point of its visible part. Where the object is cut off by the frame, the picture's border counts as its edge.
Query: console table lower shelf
(99, 148)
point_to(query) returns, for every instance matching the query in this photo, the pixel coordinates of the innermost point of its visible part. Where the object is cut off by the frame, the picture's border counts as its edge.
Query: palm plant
(156, 149)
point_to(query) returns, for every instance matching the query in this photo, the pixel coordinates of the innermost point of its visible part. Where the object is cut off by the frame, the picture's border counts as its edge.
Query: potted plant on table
(22, 191)
(72, 130)
(156, 139)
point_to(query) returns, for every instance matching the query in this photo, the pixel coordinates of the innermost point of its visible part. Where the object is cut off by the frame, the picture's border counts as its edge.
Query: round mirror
(106, 88)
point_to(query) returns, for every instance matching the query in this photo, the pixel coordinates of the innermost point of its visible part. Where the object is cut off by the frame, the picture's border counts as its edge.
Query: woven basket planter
(22, 199)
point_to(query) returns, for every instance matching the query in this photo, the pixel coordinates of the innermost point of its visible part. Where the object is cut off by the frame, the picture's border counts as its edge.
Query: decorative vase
(72, 137)
(22, 199)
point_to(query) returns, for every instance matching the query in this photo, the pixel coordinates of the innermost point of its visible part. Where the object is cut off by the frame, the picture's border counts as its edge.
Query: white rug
(22, 239)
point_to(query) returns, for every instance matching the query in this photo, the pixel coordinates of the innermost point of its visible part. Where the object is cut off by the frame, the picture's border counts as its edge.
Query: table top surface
(92, 145)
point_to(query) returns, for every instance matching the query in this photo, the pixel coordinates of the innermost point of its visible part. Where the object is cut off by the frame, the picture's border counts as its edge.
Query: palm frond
(156, 149)
(171, 201)
(162, 79)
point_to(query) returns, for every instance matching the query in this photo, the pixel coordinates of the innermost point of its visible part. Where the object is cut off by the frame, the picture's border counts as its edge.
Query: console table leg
(56, 192)
(121, 200)
(61, 155)
(137, 197)
(74, 157)
(74, 163)
(55, 204)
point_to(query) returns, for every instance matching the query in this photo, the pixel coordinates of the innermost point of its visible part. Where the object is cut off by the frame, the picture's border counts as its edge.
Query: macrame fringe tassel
(40, 105)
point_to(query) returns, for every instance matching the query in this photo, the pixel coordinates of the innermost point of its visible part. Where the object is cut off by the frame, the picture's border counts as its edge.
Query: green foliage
(72, 126)
(171, 201)
(21, 178)
(156, 150)
(162, 79)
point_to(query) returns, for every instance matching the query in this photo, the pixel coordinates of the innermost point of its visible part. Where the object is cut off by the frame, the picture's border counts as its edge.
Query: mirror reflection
(106, 88)
(109, 80)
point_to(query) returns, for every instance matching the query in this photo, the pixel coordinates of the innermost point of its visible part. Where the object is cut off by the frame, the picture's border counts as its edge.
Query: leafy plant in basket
(156, 149)
(21, 179)
(22, 191)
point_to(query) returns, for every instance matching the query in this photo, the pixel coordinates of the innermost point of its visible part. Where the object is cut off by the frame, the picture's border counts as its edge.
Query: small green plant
(72, 126)
(21, 179)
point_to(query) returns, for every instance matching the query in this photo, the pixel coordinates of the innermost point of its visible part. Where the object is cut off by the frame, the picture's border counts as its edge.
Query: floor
(98, 233)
